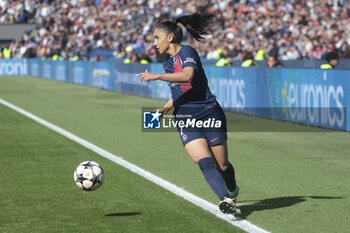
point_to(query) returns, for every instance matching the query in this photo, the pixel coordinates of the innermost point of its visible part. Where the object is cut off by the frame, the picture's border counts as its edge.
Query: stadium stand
(105, 29)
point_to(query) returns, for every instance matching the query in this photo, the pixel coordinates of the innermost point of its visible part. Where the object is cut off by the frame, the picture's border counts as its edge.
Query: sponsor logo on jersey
(190, 59)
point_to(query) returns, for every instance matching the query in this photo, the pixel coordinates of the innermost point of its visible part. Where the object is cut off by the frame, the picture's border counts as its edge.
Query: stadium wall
(308, 96)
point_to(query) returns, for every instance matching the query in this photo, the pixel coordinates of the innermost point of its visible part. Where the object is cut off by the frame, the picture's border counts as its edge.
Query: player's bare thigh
(198, 149)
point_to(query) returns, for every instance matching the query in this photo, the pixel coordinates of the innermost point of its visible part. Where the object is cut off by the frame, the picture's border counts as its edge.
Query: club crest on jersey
(184, 137)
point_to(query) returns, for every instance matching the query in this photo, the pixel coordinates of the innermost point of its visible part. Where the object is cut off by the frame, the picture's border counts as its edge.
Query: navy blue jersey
(192, 98)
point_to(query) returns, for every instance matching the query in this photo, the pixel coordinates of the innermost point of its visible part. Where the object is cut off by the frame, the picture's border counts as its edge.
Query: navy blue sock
(213, 177)
(229, 177)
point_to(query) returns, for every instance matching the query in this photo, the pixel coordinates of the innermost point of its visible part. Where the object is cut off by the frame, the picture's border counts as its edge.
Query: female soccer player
(192, 99)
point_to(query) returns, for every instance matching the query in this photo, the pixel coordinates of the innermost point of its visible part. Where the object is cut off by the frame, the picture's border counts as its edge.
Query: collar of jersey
(177, 52)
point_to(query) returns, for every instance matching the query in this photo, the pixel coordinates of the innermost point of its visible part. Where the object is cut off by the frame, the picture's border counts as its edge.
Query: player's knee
(196, 159)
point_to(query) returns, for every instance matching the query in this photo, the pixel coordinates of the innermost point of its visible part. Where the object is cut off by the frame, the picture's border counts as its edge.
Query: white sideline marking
(210, 207)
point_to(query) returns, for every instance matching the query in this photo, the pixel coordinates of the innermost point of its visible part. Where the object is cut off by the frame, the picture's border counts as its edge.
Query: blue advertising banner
(13, 67)
(48, 69)
(34, 67)
(102, 75)
(233, 87)
(80, 72)
(62, 71)
(126, 81)
(313, 97)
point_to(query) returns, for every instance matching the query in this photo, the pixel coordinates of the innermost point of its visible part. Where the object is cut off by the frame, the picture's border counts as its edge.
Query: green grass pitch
(290, 181)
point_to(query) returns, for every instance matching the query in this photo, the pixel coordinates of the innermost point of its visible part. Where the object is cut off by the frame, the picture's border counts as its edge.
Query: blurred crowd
(284, 29)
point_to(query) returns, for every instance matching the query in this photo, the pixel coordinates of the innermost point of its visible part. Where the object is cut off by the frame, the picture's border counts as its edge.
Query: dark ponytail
(195, 24)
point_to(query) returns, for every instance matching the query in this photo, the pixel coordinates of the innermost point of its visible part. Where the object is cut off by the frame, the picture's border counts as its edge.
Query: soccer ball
(88, 175)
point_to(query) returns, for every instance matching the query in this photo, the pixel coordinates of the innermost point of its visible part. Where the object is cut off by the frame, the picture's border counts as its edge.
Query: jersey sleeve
(189, 58)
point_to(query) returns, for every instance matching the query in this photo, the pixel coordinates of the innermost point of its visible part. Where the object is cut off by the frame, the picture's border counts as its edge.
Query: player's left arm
(185, 76)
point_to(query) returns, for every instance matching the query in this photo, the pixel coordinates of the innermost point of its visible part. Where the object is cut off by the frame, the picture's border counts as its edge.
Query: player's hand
(163, 110)
(147, 76)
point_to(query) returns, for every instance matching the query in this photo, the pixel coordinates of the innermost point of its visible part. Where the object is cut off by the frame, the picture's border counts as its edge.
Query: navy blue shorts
(212, 127)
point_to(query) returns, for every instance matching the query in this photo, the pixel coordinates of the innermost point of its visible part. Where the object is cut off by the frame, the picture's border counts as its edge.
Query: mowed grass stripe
(243, 224)
(38, 193)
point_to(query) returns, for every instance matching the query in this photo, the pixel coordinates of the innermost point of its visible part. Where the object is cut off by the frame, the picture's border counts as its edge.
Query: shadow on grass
(123, 214)
(276, 203)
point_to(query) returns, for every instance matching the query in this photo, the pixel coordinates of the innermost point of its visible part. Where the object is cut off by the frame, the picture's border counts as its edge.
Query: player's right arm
(167, 107)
